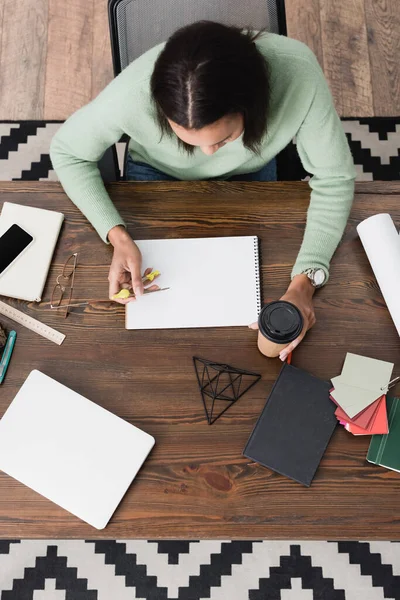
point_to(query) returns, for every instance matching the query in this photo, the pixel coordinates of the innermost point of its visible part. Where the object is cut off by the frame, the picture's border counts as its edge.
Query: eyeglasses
(64, 280)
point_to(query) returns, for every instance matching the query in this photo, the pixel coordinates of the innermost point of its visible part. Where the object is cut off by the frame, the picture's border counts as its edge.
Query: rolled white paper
(381, 243)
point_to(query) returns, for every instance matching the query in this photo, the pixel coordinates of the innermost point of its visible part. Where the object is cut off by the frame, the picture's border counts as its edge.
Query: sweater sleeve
(75, 150)
(324, 152)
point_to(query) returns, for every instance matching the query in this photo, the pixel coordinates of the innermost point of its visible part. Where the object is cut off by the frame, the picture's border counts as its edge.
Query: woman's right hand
(126, 265)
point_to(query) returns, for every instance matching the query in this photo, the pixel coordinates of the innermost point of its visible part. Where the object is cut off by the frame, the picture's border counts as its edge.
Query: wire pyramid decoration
(222, 383)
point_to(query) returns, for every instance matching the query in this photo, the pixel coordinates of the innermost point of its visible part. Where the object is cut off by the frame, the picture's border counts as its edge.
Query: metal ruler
(32, 324)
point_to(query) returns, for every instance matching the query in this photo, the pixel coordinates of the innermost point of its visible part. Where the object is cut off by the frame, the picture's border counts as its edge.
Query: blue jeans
(138, 171)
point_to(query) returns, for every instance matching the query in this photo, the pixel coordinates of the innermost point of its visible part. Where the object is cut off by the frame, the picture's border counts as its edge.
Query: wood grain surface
(102, 70)
(55, 55)
(383, 28)
(357, 43)
(196, 483)
(346, 59)
(69, 58)
(303, 19)
(23, 54)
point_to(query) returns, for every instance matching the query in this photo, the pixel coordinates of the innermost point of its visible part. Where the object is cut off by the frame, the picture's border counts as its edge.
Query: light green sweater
(301, 107)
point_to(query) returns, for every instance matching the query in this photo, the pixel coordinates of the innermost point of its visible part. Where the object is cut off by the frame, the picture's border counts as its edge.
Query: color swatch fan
(360, 394)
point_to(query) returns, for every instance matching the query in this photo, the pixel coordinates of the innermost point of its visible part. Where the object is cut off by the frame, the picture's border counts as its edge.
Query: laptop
(70, 450)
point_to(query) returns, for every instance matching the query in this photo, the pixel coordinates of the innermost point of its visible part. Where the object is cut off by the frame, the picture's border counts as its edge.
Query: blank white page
(214, 282)
(69, 449)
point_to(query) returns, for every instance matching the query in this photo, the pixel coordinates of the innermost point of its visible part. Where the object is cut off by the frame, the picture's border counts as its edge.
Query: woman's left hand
(300, 293)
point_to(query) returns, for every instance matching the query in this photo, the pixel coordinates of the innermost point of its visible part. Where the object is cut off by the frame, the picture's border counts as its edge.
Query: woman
(214, 102)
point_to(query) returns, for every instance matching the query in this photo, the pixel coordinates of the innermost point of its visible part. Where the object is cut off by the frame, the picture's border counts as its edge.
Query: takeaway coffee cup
(279, 324)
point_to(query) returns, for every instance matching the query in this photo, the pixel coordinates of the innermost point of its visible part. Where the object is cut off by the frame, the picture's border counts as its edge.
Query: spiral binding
(257, 256)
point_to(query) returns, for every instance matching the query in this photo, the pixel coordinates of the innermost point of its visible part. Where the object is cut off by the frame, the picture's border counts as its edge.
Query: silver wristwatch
(316, 276)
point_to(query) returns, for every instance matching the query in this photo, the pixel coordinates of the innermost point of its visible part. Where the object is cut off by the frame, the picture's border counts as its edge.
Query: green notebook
(384, 450)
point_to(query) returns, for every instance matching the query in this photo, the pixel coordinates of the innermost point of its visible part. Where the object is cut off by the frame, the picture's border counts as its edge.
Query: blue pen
(5, 359)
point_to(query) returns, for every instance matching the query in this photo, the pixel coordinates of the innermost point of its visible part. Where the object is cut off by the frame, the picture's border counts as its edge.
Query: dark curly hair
(207, 71)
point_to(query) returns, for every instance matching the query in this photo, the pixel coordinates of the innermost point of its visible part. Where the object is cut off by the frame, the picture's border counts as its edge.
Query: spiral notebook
(213, 282)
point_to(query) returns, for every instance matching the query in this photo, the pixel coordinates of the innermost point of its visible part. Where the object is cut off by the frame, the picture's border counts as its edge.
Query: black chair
(108, 165)
(138, 25)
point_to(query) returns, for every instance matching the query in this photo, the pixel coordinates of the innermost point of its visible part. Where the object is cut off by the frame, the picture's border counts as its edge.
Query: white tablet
(69, 449)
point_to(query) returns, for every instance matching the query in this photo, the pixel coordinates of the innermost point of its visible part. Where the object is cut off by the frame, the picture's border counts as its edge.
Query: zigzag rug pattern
(195, 570)
(374, 143)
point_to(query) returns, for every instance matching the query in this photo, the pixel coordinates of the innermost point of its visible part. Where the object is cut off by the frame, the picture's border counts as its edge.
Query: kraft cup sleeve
(381, 243)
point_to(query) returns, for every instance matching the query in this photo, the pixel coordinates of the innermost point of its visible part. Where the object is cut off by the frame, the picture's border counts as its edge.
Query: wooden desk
(196, 484)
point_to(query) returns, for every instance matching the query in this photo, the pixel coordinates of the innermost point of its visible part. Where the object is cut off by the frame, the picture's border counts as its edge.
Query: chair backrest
(138, 25)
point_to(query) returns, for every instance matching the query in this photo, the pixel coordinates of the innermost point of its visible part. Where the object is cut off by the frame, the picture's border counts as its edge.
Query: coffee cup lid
(280, 321)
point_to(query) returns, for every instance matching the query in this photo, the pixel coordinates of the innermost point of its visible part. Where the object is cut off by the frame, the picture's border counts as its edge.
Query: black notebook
(294, 427)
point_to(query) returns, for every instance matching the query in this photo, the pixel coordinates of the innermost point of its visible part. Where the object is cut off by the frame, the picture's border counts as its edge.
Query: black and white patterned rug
(193, 570)
(374, 142)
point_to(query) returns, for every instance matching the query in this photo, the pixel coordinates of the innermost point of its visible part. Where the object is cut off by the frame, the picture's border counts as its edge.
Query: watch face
(319, 276)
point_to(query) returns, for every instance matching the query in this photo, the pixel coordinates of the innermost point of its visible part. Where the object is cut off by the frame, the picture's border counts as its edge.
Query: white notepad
(25, 278)
(69, 449)
(214, 282)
